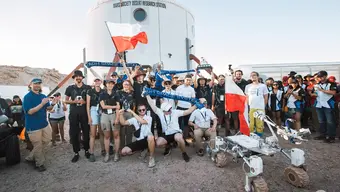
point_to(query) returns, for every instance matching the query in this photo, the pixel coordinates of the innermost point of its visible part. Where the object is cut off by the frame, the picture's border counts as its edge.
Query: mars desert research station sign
(136, 3)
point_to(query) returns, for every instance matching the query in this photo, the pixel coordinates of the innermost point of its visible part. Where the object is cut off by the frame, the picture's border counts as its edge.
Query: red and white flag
(235, 100)
(126, 36)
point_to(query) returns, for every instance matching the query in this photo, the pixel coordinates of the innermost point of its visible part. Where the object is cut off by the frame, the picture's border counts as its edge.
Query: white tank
(169, 26)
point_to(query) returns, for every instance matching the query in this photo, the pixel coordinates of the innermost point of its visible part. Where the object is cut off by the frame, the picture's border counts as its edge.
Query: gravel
(171, 173)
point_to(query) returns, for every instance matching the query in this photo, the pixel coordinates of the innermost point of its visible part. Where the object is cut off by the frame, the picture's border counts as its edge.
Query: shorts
(234, 115)
(138, 145)
(107, 122)
(170, 138)
(94, 115)
(58, 120)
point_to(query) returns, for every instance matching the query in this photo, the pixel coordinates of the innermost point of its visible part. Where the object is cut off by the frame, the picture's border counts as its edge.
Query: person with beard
(257, 99)
(126, 101)
(201, 119)
(110, 119)
(144, 136)
(35, 106)
(76, 98)
(218, 104)
(203, 88)
(93, 115)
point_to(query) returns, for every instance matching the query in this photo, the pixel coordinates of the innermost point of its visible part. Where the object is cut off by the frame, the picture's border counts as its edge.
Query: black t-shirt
(138, 90)
(242, 84)
(219, 90)
(174, 87)
(125, 99)
(94, 96)
(109, 99)
(73, 91)
(204, 92)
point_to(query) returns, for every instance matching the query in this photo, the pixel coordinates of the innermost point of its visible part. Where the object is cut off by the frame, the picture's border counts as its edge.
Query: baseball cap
(57, 94)
(114, 74)
(36, 80)
(322, 73)
(166, 106)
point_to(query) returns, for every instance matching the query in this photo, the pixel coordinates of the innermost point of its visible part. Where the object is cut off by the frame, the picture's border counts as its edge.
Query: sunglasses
(141, 110)
(167, 83)
(275, 85)
(126, 84)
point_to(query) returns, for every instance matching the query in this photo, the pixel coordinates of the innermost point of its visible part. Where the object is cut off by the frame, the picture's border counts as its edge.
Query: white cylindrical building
(169, 26)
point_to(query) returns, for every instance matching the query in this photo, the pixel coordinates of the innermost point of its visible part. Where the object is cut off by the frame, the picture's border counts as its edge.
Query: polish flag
(235, 100)
(126, 36)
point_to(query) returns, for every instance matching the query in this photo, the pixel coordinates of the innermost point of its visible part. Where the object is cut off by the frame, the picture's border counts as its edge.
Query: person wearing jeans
(35, 106)
(325, 104)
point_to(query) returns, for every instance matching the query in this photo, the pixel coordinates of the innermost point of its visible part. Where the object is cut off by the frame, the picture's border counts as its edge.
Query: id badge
(109, 111)
(221, 97)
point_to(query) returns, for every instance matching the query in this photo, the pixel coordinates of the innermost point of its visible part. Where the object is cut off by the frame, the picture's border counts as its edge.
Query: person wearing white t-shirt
(170, 127)
(257, 98)
(185, 90)
(201, 119)
(143, 133)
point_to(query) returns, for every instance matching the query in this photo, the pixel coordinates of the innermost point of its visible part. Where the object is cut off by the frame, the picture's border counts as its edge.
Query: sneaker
(106, 158)
(185, 157)
(320, 137)
(87, 154)
(200, 152)
(75, 158)
(41, 168)
(167, 151)
(103, 153)
(116, 158)
(111, 150)
(152, 162)
(92, 158)
(330, 140)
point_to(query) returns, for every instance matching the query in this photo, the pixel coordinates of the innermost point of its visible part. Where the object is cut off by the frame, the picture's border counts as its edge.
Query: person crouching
(143, 134)
(201, 119)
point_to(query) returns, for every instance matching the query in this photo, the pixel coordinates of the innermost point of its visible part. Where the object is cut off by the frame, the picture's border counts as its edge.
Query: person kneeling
(169, 121)
(201, 119)
(143, 134)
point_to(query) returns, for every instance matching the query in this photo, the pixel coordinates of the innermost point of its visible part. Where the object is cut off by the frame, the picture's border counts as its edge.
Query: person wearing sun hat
(167, 83)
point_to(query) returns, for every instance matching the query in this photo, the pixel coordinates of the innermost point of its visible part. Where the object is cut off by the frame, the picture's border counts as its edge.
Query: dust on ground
(171, 173)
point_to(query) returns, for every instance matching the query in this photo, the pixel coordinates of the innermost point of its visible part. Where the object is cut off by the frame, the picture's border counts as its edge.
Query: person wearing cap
(75, 96)
(169, 118)
(109, 120)
(201, 120)
(35, 106)
(57, 118)
(295, 102)
(292, 74)
(325, 106)
(143, 133)
(93, 115)
(257, 99)
(179, 81)
(167, 83)
(185, 90)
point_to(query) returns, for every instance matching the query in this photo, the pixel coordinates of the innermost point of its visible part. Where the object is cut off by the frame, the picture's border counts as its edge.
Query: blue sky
(43, 33)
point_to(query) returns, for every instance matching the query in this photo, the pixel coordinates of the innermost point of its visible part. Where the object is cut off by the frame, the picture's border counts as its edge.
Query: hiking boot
(41, 168)
(200, 152)
(103, 153)
(330, 140)
(106, 158)
(92, 158)
(75, 158)
(116, 157)
(87, 154)
(185, 157)
(152, 162)
(167, 151)
(320, 137)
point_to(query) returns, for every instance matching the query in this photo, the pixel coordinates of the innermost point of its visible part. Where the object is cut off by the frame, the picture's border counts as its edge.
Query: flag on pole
(126, 36)
(235, 100)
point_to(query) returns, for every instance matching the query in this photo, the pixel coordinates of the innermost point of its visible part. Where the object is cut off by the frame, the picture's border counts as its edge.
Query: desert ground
(171, 173)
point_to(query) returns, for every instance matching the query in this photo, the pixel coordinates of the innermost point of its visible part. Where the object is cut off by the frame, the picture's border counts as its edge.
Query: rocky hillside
(16, 75)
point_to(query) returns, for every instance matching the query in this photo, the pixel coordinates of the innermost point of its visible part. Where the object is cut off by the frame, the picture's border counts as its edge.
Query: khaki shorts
(107, 122)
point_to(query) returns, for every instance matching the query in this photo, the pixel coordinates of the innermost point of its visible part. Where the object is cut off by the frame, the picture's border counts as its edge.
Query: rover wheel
(221, 159)
(296, 176)
(259, 185)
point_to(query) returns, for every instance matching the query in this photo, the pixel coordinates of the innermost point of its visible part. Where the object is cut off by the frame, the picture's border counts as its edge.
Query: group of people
(129, 120)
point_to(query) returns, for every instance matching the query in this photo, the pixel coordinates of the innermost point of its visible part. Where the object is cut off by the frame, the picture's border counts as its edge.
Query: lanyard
(166, 121)
(205, 116)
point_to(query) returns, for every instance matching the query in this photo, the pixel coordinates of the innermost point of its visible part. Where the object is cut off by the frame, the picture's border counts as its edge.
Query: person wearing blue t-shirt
(35, 105)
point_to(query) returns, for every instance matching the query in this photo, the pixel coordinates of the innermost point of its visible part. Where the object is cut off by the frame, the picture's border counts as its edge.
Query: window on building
(139, 14)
